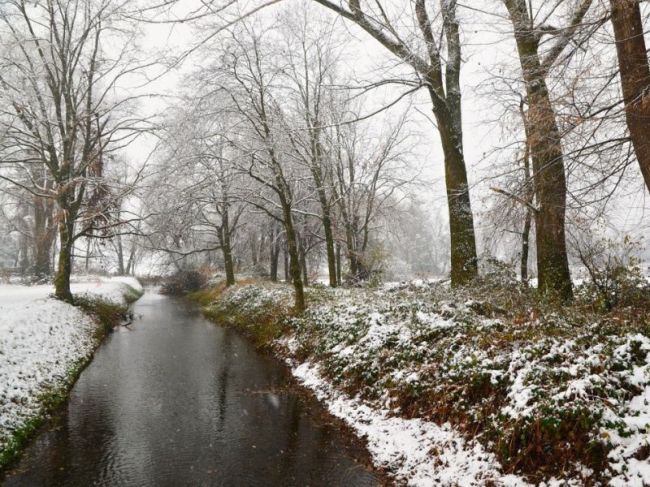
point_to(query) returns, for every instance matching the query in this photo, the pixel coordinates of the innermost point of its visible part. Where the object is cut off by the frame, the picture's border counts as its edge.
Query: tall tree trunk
(294, 259)
(530, 197)
(227, 260)
(285, 254)
(23, 260)
(329, 245)
(274, 253)
(64, 266)
(131, 262)
(635, 77)
(261, 248)
(326, 216)
(87, 265)
(464, 264)
(120, 256)
(43, 255)
(525, 242)
(273, 271)
(351, 251)
(253, 246)
(445, 92)
(446, 100)
(303, 262)
(21, 219)
(338, 263)
(226, 246)
(548, 163)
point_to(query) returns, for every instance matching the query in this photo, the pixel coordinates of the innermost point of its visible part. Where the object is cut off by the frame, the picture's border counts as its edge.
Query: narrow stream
(175, 400)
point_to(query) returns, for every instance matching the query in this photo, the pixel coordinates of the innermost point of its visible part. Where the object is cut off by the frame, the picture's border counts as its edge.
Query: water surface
(175, 400)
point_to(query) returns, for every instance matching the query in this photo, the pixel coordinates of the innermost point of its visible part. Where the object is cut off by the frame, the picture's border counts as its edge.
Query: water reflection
(175, 400)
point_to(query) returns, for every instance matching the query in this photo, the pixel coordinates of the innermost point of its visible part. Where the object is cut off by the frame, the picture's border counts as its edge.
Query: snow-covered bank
(404, 447)
(42, 340)
(448, 389)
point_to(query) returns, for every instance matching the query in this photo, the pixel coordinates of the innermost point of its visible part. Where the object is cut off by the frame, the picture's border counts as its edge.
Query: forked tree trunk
(446, 100)
(445, 92)
(548, 163)
(635, 77)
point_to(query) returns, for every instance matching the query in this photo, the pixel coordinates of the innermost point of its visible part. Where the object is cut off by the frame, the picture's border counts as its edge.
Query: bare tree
(312, 71)
(196, 178)
(365, 177)
(250, 84)
(439, 72)
(58, 92)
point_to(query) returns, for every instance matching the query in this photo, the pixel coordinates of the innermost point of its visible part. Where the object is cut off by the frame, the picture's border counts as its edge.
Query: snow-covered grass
(469, 387)
(43, 345)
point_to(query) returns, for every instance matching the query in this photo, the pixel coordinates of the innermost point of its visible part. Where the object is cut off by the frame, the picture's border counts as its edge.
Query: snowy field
(41, 340)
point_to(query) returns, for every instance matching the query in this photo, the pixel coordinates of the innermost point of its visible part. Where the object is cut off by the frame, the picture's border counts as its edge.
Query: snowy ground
(405, 447)
(41, 339)
(387, 360)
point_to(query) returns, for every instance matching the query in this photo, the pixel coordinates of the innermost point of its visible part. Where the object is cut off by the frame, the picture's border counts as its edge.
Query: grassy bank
(552, 392)
(105, 316)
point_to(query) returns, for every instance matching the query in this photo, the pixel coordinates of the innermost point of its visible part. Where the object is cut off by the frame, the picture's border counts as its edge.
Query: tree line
(271, 142)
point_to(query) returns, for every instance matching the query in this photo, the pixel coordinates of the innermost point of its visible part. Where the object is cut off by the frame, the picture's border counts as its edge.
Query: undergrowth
(550, 390)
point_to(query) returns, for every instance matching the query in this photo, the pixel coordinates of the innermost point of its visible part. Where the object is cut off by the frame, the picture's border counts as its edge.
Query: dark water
(175, 401)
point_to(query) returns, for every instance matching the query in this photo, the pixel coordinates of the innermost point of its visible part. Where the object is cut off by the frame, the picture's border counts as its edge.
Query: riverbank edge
(106, 315)
(262, 338)
(263, 312)
(269, 328)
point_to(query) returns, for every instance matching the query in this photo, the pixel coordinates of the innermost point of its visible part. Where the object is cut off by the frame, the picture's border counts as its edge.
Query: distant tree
(312, 72)
(197, 168)
(367, 172)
